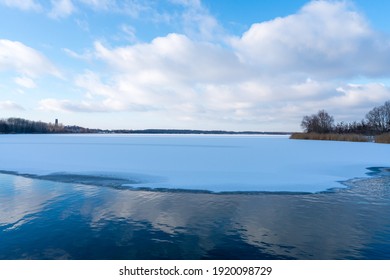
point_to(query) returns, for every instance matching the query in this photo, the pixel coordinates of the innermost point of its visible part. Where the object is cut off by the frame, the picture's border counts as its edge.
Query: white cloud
(327, 39)
(174, 58)
(25, 5)
(267, 79)
(15, 56)
(61, 8)
(10, 106)
(185, 80)
(361, 95)
(168, 71)
(25, 82)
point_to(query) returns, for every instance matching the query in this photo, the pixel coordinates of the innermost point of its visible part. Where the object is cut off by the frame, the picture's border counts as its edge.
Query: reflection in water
(50, 220)
(19, 203)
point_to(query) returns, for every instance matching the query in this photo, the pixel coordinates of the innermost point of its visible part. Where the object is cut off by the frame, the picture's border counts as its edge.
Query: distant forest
(375, 127)
(18, 125)
(376, 121)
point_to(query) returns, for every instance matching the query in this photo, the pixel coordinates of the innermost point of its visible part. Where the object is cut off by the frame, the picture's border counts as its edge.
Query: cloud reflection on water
(23, 200)
(333, 225)
(320, 226)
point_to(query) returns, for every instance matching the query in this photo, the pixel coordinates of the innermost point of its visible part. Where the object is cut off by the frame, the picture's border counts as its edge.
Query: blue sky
(215, 64)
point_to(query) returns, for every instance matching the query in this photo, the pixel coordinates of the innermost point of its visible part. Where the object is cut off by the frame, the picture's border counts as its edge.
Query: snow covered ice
(197, 162)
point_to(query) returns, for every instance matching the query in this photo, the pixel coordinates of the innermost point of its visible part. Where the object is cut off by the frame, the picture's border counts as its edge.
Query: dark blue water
(51, 220)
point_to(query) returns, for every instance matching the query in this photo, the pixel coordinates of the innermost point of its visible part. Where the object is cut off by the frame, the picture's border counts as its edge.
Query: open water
(41, 219)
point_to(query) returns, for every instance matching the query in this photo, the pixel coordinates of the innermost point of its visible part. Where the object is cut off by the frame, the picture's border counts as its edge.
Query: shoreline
(380, 139)
(374, 173)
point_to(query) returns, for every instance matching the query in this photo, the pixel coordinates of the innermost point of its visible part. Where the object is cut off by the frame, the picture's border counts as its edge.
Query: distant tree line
(376, 121)
(192, 131)
(18, 125)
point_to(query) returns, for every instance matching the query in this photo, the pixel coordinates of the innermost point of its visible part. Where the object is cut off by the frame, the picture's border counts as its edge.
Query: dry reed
(330, 137)
(383, 138)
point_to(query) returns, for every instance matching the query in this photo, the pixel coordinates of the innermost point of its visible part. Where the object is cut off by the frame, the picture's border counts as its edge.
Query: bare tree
(321, 122)
(378, 118)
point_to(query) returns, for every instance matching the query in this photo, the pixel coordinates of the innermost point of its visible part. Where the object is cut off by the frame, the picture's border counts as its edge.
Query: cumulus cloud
(15, 56)
(169, 71)
(326, 38)
(174, 58)
(266, 78)
(361, 95)
(10, 106)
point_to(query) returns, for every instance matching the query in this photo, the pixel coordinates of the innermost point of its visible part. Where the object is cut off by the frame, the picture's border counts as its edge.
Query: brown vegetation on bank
(374, 128)
(383, 138)
(330, 136)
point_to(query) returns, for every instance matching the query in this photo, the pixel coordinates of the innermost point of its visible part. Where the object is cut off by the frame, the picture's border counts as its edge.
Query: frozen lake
(192, 162)
(99, 198)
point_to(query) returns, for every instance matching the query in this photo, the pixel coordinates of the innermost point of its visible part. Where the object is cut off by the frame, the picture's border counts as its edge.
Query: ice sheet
(197, 162)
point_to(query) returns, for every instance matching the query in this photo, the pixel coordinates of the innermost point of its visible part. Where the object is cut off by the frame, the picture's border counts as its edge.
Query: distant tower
(56, 122)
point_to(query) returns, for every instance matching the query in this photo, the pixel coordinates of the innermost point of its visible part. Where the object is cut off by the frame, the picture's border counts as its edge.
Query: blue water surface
(42, 219)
